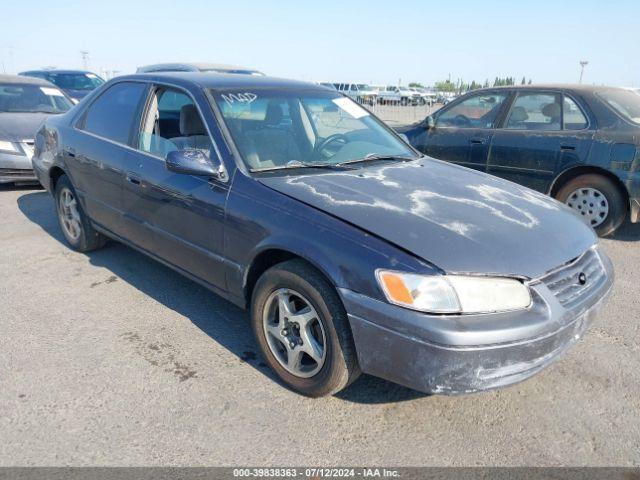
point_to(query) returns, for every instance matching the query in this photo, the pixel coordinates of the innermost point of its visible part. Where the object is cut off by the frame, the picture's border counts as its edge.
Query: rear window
(624, 102)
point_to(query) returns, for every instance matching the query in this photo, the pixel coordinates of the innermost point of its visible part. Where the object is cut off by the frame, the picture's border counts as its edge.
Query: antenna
(583, 63)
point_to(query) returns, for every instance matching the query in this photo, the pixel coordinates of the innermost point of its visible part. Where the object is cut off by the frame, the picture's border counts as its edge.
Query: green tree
(416, 85)
(445, 86)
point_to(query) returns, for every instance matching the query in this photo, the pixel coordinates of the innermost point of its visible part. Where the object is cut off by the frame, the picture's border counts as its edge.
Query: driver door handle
(477, 141)
(134, 179)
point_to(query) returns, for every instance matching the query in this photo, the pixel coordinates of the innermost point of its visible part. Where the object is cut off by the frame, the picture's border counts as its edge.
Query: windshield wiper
(374, 157)
(299, 164)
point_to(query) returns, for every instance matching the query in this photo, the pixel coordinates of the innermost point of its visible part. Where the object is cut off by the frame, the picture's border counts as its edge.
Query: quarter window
(113, 113)
(479, 111)
(535, 111)
(573, 117)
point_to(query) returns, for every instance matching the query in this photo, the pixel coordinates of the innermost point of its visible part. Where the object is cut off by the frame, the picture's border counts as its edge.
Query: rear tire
(301, 283)
(74, 223)
(578, 190)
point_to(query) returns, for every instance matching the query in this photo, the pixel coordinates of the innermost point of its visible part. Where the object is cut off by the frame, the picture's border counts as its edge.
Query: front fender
(300, 247)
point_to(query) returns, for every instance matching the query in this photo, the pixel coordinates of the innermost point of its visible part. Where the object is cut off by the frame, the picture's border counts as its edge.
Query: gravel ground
(112, 359)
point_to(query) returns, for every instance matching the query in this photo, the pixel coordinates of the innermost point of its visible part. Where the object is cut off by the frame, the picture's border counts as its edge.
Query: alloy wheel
(69, 214)
(294, 333)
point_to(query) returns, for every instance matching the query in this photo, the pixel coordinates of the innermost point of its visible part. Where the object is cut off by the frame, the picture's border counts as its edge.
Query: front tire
(302, 329)
(597, 200)
(74, 223)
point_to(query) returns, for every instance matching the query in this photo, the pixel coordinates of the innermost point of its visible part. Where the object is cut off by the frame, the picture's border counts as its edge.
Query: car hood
(18, 126)
(458, 219)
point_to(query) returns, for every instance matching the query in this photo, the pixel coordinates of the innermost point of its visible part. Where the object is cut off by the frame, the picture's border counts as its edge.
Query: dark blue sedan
(75, 83)
(353, 252)
(579, 144)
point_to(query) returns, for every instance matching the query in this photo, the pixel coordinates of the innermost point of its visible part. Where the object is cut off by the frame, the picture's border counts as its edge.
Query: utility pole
(583, 63)
(85, 58)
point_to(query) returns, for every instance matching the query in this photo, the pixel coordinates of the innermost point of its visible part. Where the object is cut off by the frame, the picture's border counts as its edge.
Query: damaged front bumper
(16, 168)
(453, 354)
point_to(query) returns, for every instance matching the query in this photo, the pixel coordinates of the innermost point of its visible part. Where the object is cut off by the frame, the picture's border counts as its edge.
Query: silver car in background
(25, 102)
(199, 67)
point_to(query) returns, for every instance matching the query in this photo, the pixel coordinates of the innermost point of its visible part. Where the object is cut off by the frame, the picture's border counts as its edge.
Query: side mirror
(193, 162)
(430, 122)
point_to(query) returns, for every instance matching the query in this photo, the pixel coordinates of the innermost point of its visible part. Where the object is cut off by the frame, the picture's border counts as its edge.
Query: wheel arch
(573, 172)
(54, 174)
(271, 255)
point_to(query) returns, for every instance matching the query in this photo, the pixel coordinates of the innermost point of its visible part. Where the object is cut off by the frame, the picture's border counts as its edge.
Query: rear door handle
(131, 178)
(477, 141)
(567, 148)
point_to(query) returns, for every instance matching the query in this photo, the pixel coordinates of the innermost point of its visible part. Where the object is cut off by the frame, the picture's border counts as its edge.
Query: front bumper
(16, 169)
(470, 353)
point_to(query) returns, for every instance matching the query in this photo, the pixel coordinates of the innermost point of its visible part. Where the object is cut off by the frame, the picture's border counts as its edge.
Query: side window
(479, 111)
(172, 122)
(113, 113)
(573, 118)
(535, 111)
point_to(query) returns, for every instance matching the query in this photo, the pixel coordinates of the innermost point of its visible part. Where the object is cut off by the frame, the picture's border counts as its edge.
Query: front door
(463, 131)
(178, 217)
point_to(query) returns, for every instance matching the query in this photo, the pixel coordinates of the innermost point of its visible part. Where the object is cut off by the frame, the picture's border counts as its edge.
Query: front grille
(576, 280)
(15, 172)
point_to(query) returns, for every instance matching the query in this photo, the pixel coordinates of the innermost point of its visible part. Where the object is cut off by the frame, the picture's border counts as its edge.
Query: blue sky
(376, 42)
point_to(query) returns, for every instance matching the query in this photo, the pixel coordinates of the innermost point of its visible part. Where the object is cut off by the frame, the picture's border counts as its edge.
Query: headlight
(453, 293)
(8, 147)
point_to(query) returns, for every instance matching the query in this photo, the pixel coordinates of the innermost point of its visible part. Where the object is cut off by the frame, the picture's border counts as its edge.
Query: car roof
(551, 86)
(194, 65)
(55, 70)
(221, 80)
(19, 79)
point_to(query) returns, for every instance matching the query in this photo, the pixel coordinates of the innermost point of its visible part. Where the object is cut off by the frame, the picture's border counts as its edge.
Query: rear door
(464, 129)
(542, 131)
(97, 147)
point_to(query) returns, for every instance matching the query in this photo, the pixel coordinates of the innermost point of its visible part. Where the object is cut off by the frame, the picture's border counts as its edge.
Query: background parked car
(360, 92)
(24, 104)
(198, 67)
(579, 144)
(398, 94)
(426, 97)
(75, 83)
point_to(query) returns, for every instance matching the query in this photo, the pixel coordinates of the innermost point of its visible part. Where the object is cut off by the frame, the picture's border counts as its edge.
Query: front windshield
(32, 98)
(281, 128)
(624, 102)
(75, 81)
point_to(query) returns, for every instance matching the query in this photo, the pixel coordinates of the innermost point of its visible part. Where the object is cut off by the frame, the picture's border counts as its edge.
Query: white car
(398, 94)
(426, 97)
(633, 89)
(360, 92)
